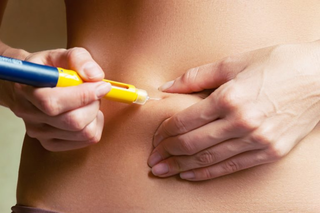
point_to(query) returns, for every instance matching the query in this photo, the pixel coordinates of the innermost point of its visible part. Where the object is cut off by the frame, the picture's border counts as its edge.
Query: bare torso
(147, 43)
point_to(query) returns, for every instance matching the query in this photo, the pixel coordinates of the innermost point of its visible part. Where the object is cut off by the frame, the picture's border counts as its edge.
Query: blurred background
(33, 25)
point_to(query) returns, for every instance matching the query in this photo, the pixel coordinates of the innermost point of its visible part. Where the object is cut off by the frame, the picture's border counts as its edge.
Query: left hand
(265, 102)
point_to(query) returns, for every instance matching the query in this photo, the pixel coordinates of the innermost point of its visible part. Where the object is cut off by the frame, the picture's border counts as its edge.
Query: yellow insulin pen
(46, 76)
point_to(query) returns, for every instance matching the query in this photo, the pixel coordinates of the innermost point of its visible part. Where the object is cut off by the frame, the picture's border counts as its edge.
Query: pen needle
(154, 99)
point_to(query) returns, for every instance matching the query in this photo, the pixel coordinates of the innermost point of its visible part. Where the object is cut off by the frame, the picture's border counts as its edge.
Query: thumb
(209, 76)
(79, 60)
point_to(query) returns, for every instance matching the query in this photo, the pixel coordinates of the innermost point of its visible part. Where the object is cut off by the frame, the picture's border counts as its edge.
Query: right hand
(63, 118)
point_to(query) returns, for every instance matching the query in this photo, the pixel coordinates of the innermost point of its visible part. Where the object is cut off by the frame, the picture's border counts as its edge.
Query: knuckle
(60, 50)
(262, 137)
(74, 121)
(21, 53)
(96, 138)
(247, 120)
(190, 76)
(226, 64)
(276, 152)
(179, 124)
(75, 53)
(229, 98)
(49, 106)
(206, 158)
(86, 96)
(56, 51)
(205, 173)
(89, 134)
(230, 166)
(186, 145)
(175, 164)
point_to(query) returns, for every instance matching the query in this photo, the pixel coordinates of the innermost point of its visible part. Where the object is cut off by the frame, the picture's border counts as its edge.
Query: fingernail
(166, 86)
(154, 159)
(160, 169)
(102, 89)
(93, 71)
(187, 175)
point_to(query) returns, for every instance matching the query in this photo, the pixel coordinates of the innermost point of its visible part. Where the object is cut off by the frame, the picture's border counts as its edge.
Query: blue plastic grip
(28, 73)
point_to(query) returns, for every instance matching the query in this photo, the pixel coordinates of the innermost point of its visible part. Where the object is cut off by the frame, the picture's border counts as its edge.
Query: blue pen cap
(28, 73)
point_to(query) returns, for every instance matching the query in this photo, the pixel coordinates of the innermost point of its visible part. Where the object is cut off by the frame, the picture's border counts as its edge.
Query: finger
(46, 131)
(75, 120)
(208, 76)
(55, 101)
(191, 118)
(229, 166)
(194, 141)
(64, 141)
(205, 158)
(78, 59)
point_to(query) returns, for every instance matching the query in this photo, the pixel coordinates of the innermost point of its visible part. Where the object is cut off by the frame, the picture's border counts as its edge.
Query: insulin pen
(46, 76)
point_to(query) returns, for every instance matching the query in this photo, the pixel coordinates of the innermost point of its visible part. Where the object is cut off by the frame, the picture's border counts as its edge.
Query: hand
(63, 118)
(265, 102)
